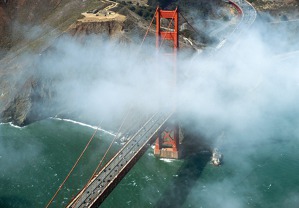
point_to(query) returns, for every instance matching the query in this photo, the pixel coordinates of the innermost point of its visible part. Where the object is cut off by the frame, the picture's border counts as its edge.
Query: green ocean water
(35, 159)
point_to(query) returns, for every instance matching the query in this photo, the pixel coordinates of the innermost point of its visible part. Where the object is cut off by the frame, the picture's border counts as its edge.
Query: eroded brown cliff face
(110, 24)
(109, 28)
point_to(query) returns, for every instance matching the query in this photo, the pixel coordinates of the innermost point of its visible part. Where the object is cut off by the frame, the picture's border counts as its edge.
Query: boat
(216, 157)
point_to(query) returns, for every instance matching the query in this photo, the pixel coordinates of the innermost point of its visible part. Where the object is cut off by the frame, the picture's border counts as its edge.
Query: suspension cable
(115, 137)
(148, 28)
(189, 23)
(100, 163)
(76, 163)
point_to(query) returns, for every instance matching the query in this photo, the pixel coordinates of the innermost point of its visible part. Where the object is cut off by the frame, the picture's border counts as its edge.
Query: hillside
(30, 23)
(29, 27)
(279, 9)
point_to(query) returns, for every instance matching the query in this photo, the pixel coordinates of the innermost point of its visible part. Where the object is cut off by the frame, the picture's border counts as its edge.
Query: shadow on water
(14, 202)
(196, 157)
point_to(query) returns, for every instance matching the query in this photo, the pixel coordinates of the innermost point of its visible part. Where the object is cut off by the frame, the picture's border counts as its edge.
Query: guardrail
(239, 9)
(248, 15)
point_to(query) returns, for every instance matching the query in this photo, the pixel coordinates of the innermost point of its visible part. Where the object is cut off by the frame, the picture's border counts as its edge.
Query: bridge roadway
(229, 36)
(248, 17)
(104, 182)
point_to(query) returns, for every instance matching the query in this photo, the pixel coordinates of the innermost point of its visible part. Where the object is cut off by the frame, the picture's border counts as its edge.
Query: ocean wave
(84, 124)
(13, 125)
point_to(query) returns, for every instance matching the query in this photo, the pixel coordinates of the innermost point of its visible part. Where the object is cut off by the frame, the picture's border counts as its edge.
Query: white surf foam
(15, 126)
(84, 124)
(167, 160)
(12, 125)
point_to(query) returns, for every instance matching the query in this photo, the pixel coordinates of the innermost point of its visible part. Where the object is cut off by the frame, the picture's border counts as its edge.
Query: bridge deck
(104, 182)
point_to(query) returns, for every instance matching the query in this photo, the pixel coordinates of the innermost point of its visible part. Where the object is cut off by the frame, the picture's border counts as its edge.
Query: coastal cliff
(28, 29)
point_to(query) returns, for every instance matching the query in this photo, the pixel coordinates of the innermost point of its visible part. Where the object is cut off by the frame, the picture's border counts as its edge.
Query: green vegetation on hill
(146, 12)
(162, 3)
(202, 7)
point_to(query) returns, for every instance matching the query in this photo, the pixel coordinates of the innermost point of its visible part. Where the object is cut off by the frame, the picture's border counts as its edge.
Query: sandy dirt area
(103, 15)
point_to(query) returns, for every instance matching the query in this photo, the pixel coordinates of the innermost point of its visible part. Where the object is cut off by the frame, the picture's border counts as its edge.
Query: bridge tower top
(171, 33)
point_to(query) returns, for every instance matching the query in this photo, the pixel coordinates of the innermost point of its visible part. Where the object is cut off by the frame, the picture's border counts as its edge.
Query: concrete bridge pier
(168, 142)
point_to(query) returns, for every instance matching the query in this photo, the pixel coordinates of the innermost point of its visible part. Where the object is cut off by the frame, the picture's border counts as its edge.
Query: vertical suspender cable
(148, 28)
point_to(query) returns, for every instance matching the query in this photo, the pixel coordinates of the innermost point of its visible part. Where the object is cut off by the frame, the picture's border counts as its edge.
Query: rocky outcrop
(19, 106)
(110, 28)
(22, 90)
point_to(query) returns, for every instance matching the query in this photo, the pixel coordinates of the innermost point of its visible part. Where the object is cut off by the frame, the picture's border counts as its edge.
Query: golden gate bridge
(160, 127)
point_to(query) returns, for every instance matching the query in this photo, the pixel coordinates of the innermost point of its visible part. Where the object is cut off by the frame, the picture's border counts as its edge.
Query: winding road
(247, 15)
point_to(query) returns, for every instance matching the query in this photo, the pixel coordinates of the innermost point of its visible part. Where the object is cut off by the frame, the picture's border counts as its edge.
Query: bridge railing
(103, 183)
